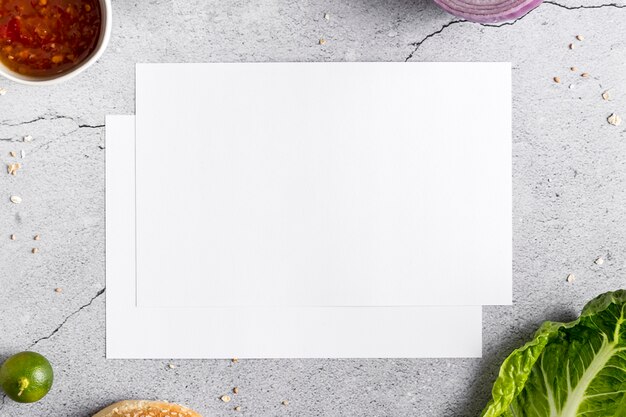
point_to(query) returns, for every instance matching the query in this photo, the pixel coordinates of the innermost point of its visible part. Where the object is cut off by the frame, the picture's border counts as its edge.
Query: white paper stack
(308, 210)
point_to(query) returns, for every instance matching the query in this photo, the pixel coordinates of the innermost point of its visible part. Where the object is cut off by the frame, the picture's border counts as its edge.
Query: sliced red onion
(488, 11)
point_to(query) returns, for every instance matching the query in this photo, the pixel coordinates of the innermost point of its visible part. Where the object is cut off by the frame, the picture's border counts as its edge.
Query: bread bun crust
(143, 408)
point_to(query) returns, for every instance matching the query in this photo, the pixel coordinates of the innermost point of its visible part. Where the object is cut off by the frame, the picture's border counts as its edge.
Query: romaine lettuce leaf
(571, 369)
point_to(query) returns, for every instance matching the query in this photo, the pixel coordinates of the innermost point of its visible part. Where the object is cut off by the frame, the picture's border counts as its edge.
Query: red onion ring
(488, 11)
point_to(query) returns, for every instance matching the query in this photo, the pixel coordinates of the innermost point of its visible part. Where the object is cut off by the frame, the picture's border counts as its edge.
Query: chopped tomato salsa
(40, 38)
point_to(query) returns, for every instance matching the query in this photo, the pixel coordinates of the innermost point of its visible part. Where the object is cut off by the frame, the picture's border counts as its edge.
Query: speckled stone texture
(569, 168)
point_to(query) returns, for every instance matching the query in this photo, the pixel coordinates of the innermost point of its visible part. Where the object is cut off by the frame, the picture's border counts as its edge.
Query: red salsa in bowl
(42, 38)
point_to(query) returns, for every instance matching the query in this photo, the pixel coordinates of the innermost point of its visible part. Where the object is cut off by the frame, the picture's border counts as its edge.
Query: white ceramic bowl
(105, 34)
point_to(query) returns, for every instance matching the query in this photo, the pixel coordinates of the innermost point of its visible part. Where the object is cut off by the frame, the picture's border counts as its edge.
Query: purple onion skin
(500, 12)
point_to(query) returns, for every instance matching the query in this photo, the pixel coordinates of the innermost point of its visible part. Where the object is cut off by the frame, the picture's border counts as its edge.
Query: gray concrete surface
(569, 197)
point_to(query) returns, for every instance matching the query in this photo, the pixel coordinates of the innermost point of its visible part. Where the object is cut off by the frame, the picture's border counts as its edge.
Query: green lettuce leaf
(571, 369)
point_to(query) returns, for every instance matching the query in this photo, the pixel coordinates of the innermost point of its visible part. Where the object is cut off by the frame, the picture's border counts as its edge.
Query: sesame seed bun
(146, 409)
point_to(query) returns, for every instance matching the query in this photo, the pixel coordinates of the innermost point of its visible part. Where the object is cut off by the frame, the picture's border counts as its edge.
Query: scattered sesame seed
(573, 69)
(28, 138)
(326, 16)
(35, 250)
(571, 278)
(171, 366)
(572, 86)
(235, 360)
(237, 408)
(236, 390)
(285, 402)
(23, 154)
(16, 199)
(37, 237)
(322, 41)
(12, 154)
(225, 398)
(572, 46)
(58, 290)
(557, 80)
(3, 91)
(599, 261)
(585, 75)
(614, 119)
(606, 95)
(13, 237)
(580, 37)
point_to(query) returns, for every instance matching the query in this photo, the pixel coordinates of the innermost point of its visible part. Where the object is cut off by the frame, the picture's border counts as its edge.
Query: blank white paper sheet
(323, 184)
(254, 332)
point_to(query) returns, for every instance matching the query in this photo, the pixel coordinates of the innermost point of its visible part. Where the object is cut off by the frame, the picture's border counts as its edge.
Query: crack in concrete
(38, 119)
(42, 118)
(46, 145)
(596, 6)
(47, 118)
(430, 35)
(72, 314)
(419, 43)
(488, 25)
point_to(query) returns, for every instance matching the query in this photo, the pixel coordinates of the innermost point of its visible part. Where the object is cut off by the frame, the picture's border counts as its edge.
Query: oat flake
(13, 168)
